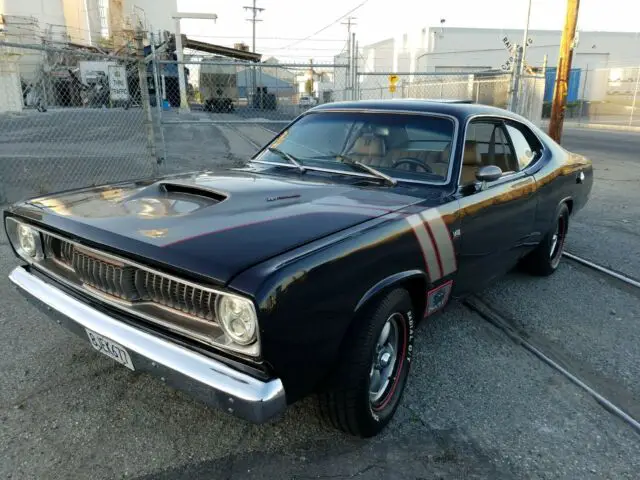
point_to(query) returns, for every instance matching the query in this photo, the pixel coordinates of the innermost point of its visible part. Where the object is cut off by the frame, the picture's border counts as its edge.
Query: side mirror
(488, 173)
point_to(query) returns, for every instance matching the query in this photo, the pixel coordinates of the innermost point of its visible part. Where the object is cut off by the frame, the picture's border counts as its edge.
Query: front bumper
(204, 378)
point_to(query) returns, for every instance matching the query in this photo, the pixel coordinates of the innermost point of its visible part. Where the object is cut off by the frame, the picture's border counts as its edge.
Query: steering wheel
(412, 161)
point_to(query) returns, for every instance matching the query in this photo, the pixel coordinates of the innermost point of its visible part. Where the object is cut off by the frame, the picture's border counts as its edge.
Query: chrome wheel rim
(557, 241)
(554, 241)
(385, 358)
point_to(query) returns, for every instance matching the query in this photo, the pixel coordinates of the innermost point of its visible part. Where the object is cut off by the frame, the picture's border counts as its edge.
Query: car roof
(457, 108)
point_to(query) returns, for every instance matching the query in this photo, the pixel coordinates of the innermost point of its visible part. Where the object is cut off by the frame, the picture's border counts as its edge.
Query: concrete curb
(599, 126)
(604, 126)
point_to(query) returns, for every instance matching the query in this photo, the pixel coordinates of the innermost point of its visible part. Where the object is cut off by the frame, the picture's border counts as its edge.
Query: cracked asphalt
(477, 404)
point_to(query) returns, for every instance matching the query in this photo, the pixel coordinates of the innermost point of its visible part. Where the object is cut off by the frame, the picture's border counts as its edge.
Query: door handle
(580, 177)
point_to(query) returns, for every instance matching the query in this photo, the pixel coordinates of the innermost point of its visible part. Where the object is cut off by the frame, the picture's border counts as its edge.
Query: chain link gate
(234, 106)
(71, 117)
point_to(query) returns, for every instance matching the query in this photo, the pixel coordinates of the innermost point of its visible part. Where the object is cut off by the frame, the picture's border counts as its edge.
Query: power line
(361, 4)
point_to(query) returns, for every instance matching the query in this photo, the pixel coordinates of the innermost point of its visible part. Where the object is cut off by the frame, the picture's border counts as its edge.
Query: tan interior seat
(371, 150)
(471, 162)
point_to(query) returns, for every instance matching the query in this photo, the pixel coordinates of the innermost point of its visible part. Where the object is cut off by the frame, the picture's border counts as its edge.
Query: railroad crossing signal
(393, 79)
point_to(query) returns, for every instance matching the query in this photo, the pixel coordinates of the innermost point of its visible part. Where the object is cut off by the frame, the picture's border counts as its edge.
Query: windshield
(403, 146)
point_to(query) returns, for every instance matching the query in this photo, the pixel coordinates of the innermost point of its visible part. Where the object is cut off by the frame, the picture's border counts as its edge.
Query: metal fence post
(159, 101)
(584, 88)
(515, 80)
(144, 98)
(635, 96)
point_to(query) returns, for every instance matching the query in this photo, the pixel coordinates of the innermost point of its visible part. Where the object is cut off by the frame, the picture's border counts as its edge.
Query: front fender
(306, 303)
(386, 283)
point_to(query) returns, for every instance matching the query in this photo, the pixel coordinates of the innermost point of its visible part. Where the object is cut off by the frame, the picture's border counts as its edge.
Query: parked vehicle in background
(219, 87)
(307, 270)
(307, 101)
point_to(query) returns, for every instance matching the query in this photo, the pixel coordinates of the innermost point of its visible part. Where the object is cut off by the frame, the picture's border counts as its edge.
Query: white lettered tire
(364, 391)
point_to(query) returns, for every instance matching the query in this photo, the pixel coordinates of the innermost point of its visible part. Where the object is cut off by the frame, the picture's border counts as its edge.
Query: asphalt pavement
(607, 230)
(478, 405)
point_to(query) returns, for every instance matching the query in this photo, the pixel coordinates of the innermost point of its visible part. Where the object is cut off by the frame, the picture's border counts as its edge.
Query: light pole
(525, 39)
(184, 105)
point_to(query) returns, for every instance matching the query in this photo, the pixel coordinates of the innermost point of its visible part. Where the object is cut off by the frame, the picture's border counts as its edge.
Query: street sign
(393, 79)
(118, 87)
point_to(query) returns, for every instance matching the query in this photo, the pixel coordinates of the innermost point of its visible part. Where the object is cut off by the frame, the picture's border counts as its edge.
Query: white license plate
(110, 349)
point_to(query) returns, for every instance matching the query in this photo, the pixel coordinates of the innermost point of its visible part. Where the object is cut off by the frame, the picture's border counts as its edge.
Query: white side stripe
(442, 239)
(427, 247)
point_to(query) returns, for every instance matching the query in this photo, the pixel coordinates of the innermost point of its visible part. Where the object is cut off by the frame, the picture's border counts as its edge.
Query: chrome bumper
(206, 379)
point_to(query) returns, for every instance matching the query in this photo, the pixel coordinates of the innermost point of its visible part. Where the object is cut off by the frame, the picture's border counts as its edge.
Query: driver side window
(486, 143)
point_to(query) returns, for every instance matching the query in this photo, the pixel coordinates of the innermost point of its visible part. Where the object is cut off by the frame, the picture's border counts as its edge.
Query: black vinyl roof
(457, 108)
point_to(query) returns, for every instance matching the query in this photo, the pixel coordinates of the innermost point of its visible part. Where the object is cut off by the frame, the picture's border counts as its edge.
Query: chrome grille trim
(131, 282)
(175, 295)
(109, 278)
(59, 266)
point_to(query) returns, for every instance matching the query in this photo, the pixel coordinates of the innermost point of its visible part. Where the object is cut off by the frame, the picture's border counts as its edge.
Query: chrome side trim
(207, 379)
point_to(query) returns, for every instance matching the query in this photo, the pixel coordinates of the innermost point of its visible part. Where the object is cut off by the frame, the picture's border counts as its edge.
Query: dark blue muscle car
(306, 271)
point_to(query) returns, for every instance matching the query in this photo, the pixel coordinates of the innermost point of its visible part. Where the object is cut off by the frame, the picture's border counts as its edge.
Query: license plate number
(110, 349)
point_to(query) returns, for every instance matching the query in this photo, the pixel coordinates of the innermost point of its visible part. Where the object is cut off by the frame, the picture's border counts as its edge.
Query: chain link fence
(489, 88)
(224, 105)
(70, 118)
(602, 96)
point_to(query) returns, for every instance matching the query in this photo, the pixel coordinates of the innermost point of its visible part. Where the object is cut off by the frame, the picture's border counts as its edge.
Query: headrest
(471, 154)
(369, 145)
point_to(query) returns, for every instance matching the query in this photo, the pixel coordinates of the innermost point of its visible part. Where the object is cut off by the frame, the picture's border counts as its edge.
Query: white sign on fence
(118, 87)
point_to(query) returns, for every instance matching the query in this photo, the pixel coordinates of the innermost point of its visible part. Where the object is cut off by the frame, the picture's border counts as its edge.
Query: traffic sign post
(393, 80)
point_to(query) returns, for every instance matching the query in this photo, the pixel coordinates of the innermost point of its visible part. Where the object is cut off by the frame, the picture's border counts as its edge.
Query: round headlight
(28, 240)
(237, 318)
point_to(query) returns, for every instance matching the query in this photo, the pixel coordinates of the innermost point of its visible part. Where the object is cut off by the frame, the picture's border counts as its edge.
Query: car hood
(212, 224)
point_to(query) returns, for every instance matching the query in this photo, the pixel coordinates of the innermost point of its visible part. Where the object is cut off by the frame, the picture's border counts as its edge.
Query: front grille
(130, 283)
(174, 294)
(112, 279)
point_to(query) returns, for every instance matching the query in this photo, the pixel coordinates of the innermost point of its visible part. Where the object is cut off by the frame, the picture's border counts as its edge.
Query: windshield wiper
(376, 173)
(289, 157)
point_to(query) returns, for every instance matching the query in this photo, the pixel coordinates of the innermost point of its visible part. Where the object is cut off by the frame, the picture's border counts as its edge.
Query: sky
(286, 22)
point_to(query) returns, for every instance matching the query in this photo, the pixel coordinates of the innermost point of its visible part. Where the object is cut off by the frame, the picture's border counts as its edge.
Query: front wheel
(544, 260)
(364, 391)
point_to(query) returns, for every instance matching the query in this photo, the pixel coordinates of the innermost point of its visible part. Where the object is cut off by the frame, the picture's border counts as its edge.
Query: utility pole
(564, 68)
(255, 10)
(354, 59)
(525, 39)
(349, 23)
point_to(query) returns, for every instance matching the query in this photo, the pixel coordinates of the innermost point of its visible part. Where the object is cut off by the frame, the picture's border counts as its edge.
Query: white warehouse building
(439, 49)
(600, 58)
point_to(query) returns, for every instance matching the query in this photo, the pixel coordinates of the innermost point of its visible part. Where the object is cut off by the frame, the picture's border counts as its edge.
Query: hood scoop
(191, 190)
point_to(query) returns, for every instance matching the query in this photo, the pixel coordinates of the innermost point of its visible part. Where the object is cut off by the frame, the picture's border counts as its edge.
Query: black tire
(345, 401)
(545, 259)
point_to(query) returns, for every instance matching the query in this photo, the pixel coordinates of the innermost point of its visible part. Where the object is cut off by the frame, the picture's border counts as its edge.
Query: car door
(498, 217)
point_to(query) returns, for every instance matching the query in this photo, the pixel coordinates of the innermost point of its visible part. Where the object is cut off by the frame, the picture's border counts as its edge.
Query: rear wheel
(363, 393)
(544, 260)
